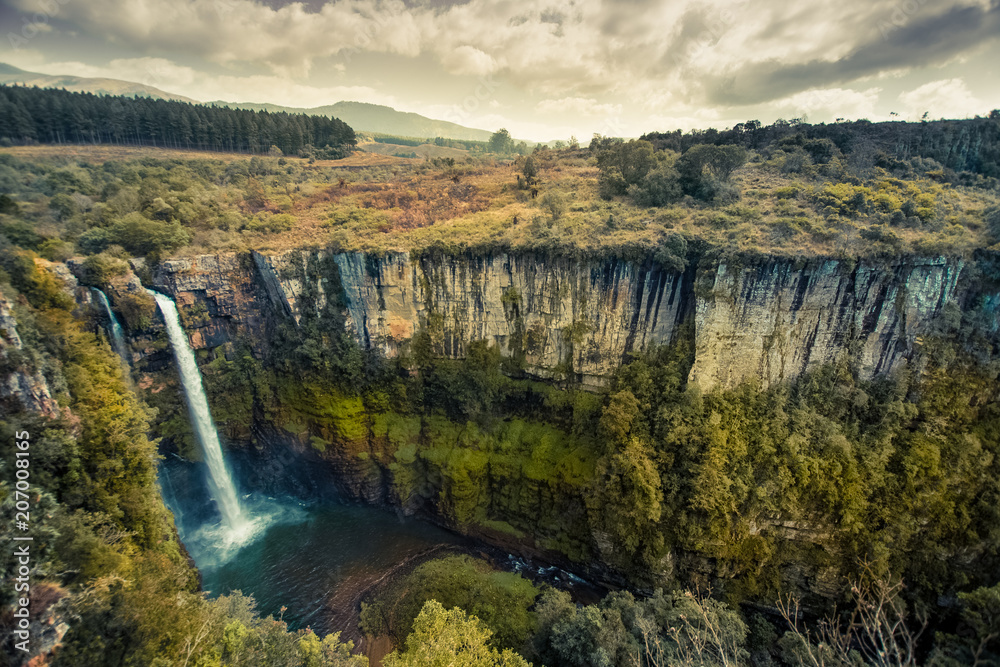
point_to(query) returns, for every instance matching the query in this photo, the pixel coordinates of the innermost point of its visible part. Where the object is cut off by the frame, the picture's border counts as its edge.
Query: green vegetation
(500, 600)
(786, 195)
(448, 637)
(805, 489)
(654, 477)
(663, 629)
(104, 545)
(36, 115)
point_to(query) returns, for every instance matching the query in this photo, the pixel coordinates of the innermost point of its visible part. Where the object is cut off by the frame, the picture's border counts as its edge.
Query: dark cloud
(901, 41)
(695, 31)
(310, 5)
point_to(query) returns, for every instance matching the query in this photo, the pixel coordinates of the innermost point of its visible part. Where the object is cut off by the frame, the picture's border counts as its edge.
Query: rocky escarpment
(775, 320)
(769, 320)
(21, 385)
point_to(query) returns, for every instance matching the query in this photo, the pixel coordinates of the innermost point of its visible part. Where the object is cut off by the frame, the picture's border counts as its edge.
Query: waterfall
(117, 334)
(220, 481)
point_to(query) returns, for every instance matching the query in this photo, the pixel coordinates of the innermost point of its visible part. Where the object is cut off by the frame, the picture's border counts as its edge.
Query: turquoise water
(315, 559)
(318, 563)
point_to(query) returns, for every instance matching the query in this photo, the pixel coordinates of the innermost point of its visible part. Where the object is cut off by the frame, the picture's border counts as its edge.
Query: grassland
(378, 203)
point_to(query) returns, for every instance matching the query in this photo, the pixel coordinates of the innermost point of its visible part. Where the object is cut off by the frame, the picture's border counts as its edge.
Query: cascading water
(117, 334)
(220, 482)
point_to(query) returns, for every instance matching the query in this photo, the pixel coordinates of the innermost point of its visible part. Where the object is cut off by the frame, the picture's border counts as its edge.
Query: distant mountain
(81, 84)
(364, 117)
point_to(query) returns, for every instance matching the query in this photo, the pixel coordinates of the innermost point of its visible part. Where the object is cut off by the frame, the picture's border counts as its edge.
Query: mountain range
(81, 84)
(365, 117)
(362, 116)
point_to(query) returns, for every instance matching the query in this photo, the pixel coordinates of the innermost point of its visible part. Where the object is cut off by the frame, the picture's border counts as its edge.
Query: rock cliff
(561, 318)
(20, 382)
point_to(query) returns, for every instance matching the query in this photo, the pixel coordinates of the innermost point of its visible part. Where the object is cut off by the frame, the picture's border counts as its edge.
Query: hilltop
(366, 117)
(361, 116)
(81, 84)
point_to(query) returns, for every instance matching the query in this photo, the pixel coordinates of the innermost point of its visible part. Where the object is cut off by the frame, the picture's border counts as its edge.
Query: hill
(38, 115)
(80, 84)
(366, 117)
(359, 115)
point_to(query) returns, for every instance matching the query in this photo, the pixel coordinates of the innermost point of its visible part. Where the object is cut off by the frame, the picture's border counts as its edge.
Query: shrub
(992, 219)
(99, 269)
(94, 240)
(622, 165)
(137, 309)
(555, 204)
(499, 599)
(23, 234)
(143, 236)
(660, 187)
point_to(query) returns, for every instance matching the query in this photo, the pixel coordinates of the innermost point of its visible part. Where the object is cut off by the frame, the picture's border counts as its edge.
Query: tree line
(35, 115)
(967, 145)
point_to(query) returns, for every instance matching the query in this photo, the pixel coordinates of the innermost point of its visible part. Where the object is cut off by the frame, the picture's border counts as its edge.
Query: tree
(666, 629)
(992, 219)
(143, 236)
(877, 633)
(622, 165)
(660, 187)
(978, 642)
(530, 170)
(618, 418)
(631, 501)
(501, 142)
(445, 638)
(500, 600)
(705, 169)
(328, 652)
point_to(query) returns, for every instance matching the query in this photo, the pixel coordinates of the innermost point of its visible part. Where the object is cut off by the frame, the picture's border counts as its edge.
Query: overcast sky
(574, 68)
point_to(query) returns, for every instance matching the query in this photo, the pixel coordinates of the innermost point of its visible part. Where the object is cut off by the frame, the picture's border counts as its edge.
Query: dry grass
(98, 154)
(481, 207)
(375, 202)
(423, 151)
(102, 153)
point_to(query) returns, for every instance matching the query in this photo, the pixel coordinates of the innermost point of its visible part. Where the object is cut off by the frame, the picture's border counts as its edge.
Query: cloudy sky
(545, 72)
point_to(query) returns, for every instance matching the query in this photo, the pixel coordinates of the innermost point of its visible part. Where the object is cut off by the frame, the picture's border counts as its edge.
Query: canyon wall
(768, 320)
(22, 384)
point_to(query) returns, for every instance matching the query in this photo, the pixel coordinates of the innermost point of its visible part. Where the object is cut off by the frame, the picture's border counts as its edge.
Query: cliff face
(552, 315)
(20, 383)
(769, 320)
(774, 321)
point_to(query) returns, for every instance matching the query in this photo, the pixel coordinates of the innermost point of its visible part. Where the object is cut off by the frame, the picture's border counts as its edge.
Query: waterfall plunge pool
(315, 558)
(315, 554)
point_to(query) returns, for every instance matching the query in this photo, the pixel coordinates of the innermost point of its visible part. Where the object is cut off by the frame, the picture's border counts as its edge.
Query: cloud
(169, 76)
(563, 49)
(468, 60)
(580, 106)
(729, 52)
(37, 26)
(830, 103)
(948, 98)
(286, 40)
(570, 64)
(919, 41)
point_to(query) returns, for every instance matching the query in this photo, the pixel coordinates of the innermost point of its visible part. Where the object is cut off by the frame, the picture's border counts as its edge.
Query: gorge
(574, 322)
